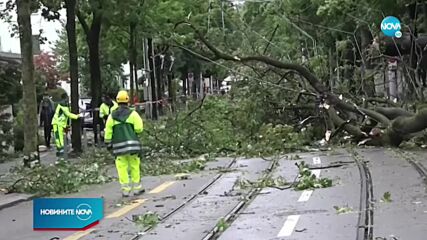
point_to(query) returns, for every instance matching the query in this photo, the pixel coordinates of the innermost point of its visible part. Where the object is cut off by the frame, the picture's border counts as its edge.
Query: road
(214, 204)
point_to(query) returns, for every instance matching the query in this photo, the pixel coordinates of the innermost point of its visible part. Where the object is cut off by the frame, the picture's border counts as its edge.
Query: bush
(18, 131)
(6, 135)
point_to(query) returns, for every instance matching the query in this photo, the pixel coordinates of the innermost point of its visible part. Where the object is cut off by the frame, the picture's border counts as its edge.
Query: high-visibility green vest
(105, 110)
(121, 131)
(62, 113)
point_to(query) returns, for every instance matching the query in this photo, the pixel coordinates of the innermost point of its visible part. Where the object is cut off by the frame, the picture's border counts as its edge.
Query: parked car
(86, 108)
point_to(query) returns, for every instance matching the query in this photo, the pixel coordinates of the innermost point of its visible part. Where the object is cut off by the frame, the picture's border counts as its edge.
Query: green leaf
(343, 210)
(386, 197)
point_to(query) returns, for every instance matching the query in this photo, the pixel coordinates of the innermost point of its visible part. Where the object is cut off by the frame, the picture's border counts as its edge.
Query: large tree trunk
(92, 38)
(29, 87)
(95, 72)
(72, 50)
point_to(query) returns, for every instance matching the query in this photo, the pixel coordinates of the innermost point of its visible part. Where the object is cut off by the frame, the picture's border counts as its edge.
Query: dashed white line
(316, 160)
(305, 195)
(289, 226)
(292, 220)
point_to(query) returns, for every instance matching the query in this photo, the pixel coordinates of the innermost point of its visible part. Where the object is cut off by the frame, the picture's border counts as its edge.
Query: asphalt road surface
(377, 194)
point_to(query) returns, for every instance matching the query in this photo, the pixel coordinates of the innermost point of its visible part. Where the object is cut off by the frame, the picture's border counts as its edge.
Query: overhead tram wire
(282, 16)
(312, 24)
(305, 33)
(260, 36)
(234, 71)
(307, 22)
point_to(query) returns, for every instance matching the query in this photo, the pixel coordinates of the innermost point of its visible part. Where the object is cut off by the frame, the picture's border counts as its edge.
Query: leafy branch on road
(271, 182)
(148, 219)
(63, 177)
(307, 180)
(222, 225)
(343, 210)
(155, 167)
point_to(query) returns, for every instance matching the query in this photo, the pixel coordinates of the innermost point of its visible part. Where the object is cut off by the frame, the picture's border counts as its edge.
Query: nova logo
(391, 27)
(84, 212)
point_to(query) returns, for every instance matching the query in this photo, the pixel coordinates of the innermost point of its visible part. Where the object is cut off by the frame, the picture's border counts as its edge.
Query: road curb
(10, 200)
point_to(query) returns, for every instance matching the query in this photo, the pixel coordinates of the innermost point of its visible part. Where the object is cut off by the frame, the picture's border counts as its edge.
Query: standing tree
(93, 10)
(45, 64)
(51, 12)
(74, 68)
(29, 86)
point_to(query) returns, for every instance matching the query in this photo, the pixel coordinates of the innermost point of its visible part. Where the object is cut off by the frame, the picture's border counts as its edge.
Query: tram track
(419, 167)
(186, 202)
(246, 200)
(366, 207)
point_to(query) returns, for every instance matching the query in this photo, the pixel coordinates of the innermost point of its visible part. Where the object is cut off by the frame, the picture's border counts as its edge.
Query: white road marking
(305, 195)
(289, 226)
(316, 160)
(316, 172)
(292, 220)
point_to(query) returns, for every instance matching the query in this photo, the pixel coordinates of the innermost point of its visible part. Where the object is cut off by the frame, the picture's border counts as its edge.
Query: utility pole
(211, 84)
(152, 64)
(135, 65)
(331, 72)
(201, 90)
(160, 81)
(147, 85)
(132, 28)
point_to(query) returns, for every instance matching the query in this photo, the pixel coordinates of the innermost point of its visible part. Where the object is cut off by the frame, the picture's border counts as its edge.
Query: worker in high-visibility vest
(121, 136)
(60, 123)
(107, 107)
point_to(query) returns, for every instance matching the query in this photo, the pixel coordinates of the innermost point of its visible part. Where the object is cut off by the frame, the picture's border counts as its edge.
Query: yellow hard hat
(122, 97)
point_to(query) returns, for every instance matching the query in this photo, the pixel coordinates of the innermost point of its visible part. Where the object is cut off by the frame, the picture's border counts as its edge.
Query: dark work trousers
(47, 133)
(102, 122)
(46, 120)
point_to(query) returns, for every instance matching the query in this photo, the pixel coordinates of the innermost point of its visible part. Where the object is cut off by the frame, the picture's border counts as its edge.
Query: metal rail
(421, 169)
(234, 213)
(169, 214)
(366, 208)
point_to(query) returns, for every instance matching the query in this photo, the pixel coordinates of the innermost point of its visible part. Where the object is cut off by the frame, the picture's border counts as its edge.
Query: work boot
(125, 194)
(138, 189)
(138, 192)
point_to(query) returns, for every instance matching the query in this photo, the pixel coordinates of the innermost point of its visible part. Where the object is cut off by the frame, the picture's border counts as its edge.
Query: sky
(9, 44)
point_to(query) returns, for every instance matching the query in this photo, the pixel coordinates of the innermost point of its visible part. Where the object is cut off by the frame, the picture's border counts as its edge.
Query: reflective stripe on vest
(126, 149)
(126, 143)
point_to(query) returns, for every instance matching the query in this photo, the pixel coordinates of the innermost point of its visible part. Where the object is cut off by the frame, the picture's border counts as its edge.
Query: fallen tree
(388, 125)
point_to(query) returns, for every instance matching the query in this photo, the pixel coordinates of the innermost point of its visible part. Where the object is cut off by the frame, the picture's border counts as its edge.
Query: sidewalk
(8, 200)
(47, 157)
